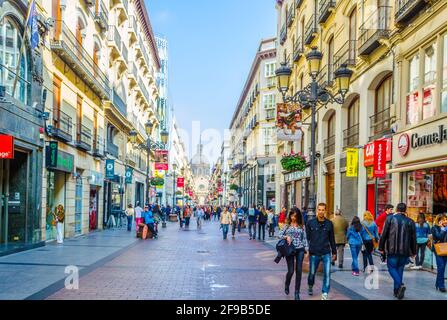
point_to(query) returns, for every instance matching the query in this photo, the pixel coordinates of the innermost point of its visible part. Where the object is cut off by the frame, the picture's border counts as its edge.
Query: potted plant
(234, 187)
(157, 181)
(293, 162)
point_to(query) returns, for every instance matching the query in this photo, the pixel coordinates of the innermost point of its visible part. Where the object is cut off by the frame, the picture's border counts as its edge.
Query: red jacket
(282, 217)
(380, 221)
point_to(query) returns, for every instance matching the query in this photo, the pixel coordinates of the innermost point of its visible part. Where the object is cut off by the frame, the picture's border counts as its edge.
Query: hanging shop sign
(6, 146)
(403, 144)
(380, 158)
(352, 162)
(110, 168)
(288, 122)
(58, 159)
(369, 152)
(96, 178)
(161, 160)
(422, 140)
(128, 176)
(297, 175)
(180, 182)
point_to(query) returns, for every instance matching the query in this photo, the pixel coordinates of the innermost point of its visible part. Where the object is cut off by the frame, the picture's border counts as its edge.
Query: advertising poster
(288, 122)
(161, 160)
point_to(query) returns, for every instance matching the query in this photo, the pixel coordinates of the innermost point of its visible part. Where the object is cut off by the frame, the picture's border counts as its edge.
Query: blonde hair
(439, 218)
(367, 216)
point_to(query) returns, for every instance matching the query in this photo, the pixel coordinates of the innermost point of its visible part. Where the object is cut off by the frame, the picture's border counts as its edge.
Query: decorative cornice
(142, 12)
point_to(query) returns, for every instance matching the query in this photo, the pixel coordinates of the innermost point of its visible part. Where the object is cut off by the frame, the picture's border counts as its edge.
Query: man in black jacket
(321, 239)
(398, 242)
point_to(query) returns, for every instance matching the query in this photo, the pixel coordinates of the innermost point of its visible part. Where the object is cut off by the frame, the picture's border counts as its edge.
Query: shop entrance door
(93, 209)
(78, 206)
(13, 201)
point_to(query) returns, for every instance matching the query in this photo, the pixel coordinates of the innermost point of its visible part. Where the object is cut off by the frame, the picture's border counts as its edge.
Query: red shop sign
(369, 152)
(380, 159)
(6, 147)
(180, 182)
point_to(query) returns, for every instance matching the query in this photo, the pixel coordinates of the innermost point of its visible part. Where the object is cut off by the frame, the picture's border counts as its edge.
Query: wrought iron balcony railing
(64, 43)
(405, 10)
(347, 54)
(375, 28)
(298, 3)
(380, 123)
(133, 26)
(326, 76)
(290, 16)
(351, 136)
(283, 34)
(329, 146)
(311, 30)
(298, 49)
(63, 126)
(326, 7)
(101, 15)
(98, 147)
(119, 103)
(84, 139)
(112, 149)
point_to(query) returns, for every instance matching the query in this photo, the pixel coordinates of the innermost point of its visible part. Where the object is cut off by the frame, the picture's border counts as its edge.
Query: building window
(383, 100)
(269, 101)
(444, 77)
(412, 96)
(428, 105)
(270, 69)
(10, 46)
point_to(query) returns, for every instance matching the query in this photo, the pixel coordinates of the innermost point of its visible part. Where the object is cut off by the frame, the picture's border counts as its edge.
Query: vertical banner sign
(180, 182)
(110, 169)
(161, 160)
(6, 147)
(129, 174)
(51, 154)
(288, 122)
(380, 158)
(352, 162)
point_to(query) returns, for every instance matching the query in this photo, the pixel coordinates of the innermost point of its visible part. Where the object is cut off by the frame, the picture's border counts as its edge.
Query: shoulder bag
(283, 246)
(375, 243)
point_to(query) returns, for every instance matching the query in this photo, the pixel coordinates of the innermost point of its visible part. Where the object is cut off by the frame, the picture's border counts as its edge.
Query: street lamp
(311, 96)
(133, 137)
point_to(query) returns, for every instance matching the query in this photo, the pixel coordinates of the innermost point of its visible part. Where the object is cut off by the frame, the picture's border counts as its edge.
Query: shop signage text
(352, 162)
(403, 145)
(429, 139)
(180, 182)
(380, 158)
(129, 174)
(297, 175)
(369, 152)
(161, 160)
(110, 169)
(6, 147)
(57, 159)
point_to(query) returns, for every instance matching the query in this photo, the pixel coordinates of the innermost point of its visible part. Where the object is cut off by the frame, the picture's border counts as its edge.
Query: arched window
(352, 132)
(352, 34)
(10, 46)
(382, 105)
(329, 144)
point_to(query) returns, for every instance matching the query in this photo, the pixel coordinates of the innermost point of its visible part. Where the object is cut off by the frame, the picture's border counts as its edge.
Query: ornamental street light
(311, 96)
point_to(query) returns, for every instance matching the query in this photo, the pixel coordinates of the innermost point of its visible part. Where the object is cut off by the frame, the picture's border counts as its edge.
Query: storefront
(96, 181)
(297, 188)
(378, 192)
(420, 170)
(59, 164)
(330, 188)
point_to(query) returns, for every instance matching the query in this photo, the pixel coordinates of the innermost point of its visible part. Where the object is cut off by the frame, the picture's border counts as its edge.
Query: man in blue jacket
(149, 221)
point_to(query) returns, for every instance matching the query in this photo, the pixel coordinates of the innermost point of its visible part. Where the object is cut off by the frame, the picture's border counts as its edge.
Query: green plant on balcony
(157, 181)
(293, 162)
(234, 187)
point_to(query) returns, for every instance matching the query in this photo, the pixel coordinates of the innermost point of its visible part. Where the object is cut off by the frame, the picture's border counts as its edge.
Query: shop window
(10, 46)
(412, 96)
(444, 77)
(428, 105)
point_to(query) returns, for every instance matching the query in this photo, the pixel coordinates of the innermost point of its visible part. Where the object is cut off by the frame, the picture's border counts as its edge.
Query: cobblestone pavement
(191, 265)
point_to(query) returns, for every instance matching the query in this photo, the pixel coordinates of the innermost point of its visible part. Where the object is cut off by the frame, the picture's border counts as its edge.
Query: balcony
(84, 140)
(351, 136)
(407, 10)
(290, 17)
(119, 50)
(112, 149)
(329, 146)
(298, 3)
(123, 7)
(311, 30)
(145, 93)
(119, 103)
(64, 43)
(133, 72)
(347, 54)
(124, 52)
(101, 15)
(298, 49)
(270, 114)
(133, 26)
(98, 148)
(326, 8)
(63, 127)
(283, 34)
(380, 124)
(326, 76)
(375, 28)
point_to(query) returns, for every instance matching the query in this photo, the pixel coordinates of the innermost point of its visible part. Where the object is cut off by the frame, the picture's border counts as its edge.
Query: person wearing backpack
(370, 237)
(263, 217)
(252, 222)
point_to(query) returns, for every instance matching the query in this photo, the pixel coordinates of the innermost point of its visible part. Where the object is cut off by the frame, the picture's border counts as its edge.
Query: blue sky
(211, 48)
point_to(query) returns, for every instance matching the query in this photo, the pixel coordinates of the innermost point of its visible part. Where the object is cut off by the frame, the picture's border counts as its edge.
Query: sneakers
(416, 267)
(355, 273)
(324, 296)
(310, 291)
(401, 292)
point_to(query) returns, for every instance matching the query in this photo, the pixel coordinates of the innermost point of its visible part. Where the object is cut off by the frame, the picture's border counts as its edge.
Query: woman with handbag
(295, 234)
(370, 237)
(439, 233)
(422, 236)
(355, 243)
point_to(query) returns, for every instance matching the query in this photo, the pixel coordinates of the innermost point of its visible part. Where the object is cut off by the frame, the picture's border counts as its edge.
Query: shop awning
(419, 166)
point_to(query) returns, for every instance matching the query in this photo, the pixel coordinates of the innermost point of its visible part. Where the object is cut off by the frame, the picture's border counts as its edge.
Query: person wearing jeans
(422, 232)
(322, 248)
(130, 213)
(234, 222)
(252, 223)
(225, 221)
(439, 232)
(263, 217)
(398, 243)
(355, 243)
(370, 233)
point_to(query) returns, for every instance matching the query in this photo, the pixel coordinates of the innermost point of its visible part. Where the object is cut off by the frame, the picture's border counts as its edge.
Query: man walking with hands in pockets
(321, 239)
